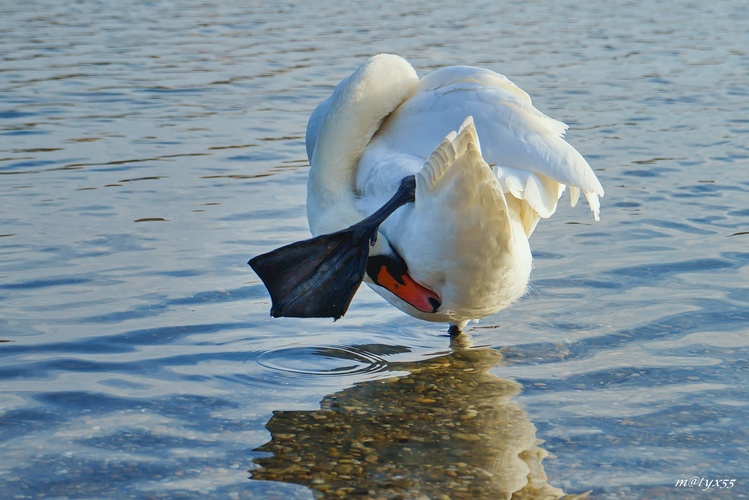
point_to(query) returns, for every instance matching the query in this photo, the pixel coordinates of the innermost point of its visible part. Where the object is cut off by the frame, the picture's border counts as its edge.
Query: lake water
(149, 149)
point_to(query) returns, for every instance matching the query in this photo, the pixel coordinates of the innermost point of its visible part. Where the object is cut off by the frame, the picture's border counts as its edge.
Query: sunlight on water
(148, 150)
(448, 427)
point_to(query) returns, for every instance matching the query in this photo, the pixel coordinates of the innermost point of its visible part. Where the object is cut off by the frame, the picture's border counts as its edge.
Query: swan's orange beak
(405, 288)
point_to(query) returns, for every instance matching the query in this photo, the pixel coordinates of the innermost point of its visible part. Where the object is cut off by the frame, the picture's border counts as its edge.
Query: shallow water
(147, 150)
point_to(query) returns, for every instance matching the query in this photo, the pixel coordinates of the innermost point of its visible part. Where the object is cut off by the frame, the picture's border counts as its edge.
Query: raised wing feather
(533, 162)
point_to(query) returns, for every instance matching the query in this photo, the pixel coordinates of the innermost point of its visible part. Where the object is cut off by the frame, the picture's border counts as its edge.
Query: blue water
(148, 149)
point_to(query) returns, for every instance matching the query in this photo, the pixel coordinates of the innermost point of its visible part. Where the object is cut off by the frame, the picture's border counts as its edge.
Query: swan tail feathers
(456, 178)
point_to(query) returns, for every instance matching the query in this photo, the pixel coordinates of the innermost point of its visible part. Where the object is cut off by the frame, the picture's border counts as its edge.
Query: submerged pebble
(386, 438)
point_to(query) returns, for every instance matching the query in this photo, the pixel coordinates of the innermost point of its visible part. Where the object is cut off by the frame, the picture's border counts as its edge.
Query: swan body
(487, 164)
(428, 190)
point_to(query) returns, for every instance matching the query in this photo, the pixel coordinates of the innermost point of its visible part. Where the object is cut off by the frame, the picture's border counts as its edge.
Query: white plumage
(488, 166)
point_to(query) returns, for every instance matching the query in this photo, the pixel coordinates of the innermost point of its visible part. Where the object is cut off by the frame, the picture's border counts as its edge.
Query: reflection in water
(446, 429)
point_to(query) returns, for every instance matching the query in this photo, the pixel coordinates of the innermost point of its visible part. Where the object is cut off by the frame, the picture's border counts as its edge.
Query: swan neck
(350, 119)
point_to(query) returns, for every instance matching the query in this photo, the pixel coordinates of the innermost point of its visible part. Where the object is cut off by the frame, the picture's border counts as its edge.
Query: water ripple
(322, 360)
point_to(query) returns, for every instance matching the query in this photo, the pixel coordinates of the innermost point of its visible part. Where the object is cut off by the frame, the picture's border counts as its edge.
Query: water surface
(148, 149)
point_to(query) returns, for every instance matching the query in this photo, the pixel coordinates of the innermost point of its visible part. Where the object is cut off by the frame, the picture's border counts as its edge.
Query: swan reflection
(448, 428)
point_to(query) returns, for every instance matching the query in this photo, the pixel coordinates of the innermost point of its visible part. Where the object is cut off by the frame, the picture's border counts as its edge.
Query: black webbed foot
(317, 278)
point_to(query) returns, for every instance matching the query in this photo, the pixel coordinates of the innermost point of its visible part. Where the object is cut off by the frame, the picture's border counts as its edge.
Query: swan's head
(388, 272)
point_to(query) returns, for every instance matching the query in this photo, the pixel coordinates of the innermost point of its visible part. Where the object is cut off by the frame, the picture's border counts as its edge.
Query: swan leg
(317, 278)
(454, 331)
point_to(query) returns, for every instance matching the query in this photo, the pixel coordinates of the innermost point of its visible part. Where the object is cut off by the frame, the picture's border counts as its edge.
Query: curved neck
(350, 118)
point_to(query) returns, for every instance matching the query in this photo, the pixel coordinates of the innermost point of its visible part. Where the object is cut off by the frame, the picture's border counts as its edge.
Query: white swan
(486, 166)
